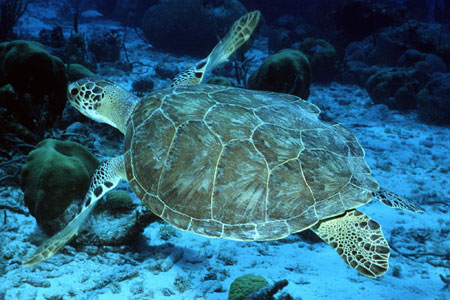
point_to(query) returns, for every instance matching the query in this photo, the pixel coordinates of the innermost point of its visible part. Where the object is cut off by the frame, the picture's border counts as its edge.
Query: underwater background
(381, 68)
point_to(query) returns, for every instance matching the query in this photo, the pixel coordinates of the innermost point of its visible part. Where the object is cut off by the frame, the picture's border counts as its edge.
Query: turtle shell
(240, 164)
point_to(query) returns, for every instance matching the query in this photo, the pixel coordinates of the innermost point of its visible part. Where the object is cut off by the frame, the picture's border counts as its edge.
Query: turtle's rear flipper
(105, 178)
(239, 33)
(358, 240)
(393, 200)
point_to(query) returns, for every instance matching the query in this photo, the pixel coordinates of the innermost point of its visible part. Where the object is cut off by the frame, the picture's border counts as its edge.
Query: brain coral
(287, 71)
(244, 285)
(55, 174)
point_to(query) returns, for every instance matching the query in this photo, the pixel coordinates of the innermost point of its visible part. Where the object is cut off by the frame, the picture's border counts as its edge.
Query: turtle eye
(74, 91)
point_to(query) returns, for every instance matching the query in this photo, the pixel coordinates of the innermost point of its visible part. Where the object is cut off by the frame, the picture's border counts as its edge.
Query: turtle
(232, 163)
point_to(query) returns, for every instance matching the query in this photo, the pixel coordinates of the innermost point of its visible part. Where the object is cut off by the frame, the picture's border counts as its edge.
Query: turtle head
(103, 101)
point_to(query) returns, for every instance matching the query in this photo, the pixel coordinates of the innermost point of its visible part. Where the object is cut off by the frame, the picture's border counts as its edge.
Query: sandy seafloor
(406, 156)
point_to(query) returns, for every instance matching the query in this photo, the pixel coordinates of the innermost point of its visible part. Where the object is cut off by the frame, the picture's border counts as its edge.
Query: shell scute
(231, 122)
(187, 181)
(277, 144)
(330, 206)
(149, 147)
(304, 220)
(240, 164)
(209, 227)
(154, 203)
(325, 139)
(325, 173)
(289, 116)
(176, 218)
(147, 107)
(275, 229)
(241, 185)
(242, 232)
(352, 142)
(288, 188)
(186, 107)
(243, 98)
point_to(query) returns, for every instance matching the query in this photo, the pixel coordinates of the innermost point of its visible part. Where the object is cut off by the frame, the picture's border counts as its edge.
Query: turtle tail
(393, 200)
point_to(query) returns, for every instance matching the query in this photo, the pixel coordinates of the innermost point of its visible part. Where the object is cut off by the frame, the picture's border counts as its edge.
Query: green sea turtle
(232, 163)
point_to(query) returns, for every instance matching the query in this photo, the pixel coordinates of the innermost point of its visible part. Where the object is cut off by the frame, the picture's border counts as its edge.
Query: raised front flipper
(239, 33)
(358, 240)
(393, 200)
(105, 178)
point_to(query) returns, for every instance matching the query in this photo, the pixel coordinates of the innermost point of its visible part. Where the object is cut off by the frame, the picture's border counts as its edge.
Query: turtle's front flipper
(393, 200)
(105, 178)
(239, 33)
(358, 240)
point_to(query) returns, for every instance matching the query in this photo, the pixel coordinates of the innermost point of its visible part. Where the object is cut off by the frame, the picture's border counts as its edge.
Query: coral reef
(52, 37)
(444, 53)
(143, 85)
(268, 292)
(358, 19)
(128, 12)
(395, 88)
(279, 39)
(75, 51)
(387, 46)
(287, 71)
(110, 258)
(118, 220)
(323, 58)
(220, 81)
(433, 100)
(55, 179)
(77, 71)
(431, 64)
(244, 285)
(410, 57)
(105, 45)
(169, 26)
(56, 174)
(38, 83)
(10, 12)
